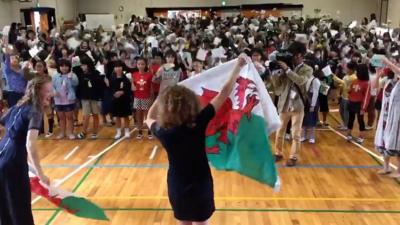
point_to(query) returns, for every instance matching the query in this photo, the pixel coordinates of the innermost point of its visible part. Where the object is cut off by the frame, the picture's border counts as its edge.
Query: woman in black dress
(22, 123)
(178, 122)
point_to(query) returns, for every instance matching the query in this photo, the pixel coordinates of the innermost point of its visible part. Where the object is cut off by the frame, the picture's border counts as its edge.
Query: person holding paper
(90, 88)
(14, 76)
(345, 84)
(311, 115)
(18, 147)
(257, 58)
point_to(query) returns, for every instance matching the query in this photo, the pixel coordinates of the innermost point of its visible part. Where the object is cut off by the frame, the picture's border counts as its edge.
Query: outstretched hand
(44, 179)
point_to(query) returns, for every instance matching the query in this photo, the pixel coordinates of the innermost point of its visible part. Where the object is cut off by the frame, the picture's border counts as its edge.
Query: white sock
(118, 132)
(127, 131)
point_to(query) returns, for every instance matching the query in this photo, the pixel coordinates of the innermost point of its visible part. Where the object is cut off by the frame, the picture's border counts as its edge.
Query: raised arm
(300, 79)
(391, 65)
(227, 89)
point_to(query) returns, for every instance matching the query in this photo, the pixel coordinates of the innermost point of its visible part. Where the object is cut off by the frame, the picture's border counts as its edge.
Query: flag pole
(77, 170)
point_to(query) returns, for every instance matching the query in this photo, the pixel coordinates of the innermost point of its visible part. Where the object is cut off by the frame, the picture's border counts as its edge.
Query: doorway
(41, 19)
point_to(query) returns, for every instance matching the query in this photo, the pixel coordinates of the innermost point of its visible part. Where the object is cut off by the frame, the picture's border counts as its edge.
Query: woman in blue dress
(22, 122)
(180, 125)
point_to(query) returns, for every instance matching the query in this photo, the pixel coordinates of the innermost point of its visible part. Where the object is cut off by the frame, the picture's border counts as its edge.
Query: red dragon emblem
(228, 118)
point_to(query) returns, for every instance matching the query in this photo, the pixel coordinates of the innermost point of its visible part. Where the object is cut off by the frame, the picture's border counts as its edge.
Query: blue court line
(164, 166)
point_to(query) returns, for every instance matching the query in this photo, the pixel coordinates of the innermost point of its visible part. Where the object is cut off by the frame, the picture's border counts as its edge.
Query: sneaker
(303, 139)
(349, 138)
(71, 137)
(311, 141)
(359, 140)
(127, 133)
(81, 135)
(139, 136)
(93, 136)
(384, 172)
(60, 136)
(291, 162)
(150, 137)
(278, 157)
(368, 128)
(118, 135)
(48, 135)
(325, 124)
(288, 137)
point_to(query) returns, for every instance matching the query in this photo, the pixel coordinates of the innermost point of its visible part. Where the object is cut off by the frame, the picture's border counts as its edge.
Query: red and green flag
(75, 205)
(237, 137)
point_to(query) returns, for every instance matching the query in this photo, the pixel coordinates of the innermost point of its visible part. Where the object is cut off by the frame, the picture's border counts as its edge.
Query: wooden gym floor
(335, 183)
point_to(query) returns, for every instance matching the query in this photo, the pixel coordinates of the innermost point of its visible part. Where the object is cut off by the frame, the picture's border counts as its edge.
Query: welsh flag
(77, 206)
(237, 137)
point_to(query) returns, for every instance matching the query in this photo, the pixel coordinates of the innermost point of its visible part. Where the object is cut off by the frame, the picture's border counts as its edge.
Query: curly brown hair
(32, 92)
(178, 105)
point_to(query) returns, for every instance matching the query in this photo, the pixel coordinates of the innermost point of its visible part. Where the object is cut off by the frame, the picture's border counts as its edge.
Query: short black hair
(297, 48)
(64, 62)
(362, 72)
(352, 65)
(119, 63)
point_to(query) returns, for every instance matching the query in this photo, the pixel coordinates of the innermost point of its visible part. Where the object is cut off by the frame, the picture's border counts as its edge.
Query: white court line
(153, 153)
(380, 158)
(71, 153)
(60, 182)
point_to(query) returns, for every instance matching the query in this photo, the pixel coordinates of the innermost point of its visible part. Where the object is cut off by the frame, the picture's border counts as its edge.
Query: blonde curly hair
(178, 105)
(32, 92)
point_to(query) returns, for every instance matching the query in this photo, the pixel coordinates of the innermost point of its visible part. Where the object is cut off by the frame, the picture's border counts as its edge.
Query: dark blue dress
(190, 184)
(15, 192)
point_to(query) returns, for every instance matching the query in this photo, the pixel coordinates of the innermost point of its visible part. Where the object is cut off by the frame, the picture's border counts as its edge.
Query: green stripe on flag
(248, 152)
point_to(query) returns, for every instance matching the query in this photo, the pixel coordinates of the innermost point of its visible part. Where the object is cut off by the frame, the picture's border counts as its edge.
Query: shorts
(142, 103)
(90, 107)
(323, 101)
(65, 108)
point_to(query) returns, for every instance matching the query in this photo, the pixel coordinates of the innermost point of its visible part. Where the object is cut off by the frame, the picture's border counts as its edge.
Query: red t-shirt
(153, 69)
(142, 84)
(359, 92)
